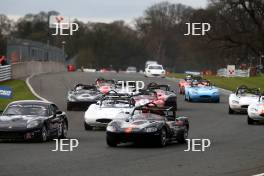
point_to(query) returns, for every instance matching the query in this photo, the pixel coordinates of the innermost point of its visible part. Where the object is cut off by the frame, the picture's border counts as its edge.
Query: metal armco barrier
(5, 73)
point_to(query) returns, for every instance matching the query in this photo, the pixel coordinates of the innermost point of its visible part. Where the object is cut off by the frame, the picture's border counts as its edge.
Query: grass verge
(20, 92)
(230, 83)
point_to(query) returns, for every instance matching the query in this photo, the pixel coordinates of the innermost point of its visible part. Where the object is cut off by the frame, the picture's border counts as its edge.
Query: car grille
(104, 120)
(205, 96)
(244, 106)
(11, 135)
(156, 74)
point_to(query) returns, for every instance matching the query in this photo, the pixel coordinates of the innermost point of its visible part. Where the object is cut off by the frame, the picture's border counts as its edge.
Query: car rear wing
(151, 107)
(154, 86)
(114, 96)
(85, 87)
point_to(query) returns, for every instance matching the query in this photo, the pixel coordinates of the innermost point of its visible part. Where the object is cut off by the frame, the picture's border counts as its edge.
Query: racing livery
(110, 107)
(186, 82)
(33, 120)
(82, 96)
(202, 91)
(164, 93)
(256, 111)
(148, 123)
(242, 98)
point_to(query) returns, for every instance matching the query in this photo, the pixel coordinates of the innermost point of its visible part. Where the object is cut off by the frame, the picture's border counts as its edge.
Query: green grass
(20, 92)
(231, 83)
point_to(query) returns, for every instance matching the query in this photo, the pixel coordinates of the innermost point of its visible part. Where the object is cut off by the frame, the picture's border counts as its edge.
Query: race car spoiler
(154, 86)
(153, 108)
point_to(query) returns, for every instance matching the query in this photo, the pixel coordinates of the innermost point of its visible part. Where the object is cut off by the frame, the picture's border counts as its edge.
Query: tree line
(236, 36)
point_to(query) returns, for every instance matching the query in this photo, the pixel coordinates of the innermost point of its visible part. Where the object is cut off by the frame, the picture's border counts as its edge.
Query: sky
(88, 10)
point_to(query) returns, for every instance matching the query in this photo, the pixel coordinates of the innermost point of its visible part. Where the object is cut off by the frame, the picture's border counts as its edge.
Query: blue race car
(202, 91)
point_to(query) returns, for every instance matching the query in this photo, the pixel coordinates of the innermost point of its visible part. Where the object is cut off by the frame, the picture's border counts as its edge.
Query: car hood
(135, 125)
(107, 113)
(204, 89)
(248, 100)
(18, 120)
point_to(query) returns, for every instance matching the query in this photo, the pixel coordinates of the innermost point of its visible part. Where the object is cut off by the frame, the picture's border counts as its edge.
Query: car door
(55, 120)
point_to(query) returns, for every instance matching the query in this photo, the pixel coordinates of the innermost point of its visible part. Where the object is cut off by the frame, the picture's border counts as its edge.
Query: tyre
(230, 111)
(111, 142)
(87, 127)
(64, 130)
(250, 121)
(182, 138)
(162, 140)
(44, 134)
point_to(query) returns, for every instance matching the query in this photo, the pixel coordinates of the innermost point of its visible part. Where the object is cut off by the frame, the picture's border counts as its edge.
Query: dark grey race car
(82, 96)
(32, 120)
(148, 123)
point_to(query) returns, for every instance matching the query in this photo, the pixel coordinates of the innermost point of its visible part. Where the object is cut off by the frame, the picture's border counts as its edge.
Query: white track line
(32, 90)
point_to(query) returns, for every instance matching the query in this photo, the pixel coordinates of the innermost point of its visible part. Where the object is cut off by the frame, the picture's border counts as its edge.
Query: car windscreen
(155, 67)
(248, 92)
(116, 104)
(28, 109)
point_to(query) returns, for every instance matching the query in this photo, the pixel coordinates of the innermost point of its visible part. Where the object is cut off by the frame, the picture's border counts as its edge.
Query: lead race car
(148, 123)
(242, 98)
(82, 96)
(256, 111)
(112, 106)
(165, 94)
(202, 91)
(33, 120)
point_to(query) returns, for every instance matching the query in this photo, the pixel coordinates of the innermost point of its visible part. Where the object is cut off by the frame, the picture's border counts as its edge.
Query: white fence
(5, 73)
(238, 73)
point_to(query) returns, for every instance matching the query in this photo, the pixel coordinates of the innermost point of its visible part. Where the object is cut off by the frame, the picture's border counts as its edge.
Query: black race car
(165, 94)
(148, 123)
(32, 120)
(82, 96)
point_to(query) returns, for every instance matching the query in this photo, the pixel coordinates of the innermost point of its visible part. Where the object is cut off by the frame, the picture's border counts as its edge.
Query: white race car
(256, 111)
(242, 98)
(155, 70)
(111, 107)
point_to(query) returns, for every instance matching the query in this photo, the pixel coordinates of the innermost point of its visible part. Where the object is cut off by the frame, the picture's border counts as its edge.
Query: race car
(155, 70)
(105, 85)
(242, 98)
(82, 96)
(202, 91)
(112, 106)
(145, 96)
(165, 94)
(150, 124)
(186, 82)
(33, 120)
(256, 111)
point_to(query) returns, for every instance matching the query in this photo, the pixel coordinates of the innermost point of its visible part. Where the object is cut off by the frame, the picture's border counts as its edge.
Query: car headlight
(70, 98)
(150, 129)
(32, 124)
(253, 110)
(235, 102)
(111, 128)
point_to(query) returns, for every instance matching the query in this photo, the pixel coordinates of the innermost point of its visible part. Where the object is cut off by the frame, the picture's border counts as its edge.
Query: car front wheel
(250, 121)
(111, 142)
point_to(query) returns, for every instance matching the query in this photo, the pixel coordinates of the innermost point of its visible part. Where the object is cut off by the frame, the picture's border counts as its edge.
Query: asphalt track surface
(236, 149)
